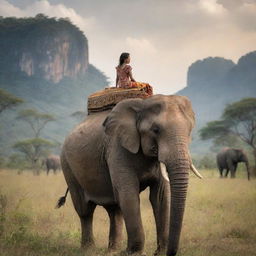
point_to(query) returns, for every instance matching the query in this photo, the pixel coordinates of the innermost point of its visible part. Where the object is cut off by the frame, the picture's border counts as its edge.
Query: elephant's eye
(155, 129)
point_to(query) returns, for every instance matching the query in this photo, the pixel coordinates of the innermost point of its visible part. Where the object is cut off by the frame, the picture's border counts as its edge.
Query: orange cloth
(148, 88)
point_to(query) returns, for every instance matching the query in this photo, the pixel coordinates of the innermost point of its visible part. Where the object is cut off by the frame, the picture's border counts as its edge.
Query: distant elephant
(228, 159)
(114, 155)
(52, 162)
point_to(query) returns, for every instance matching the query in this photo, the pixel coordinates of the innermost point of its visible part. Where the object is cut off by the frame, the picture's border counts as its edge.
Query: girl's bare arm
(116, 80)
(132, 79)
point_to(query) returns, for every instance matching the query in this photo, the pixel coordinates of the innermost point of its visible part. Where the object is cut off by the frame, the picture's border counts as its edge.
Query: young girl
(124, 78)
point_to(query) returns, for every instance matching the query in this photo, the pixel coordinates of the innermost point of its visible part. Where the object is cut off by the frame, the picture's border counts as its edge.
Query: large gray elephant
(228, 159)
(52, 162)
(114, 155)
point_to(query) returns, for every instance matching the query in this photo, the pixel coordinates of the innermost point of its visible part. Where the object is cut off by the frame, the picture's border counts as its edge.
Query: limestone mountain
(45, 62)
(212, 83)
(44, 47)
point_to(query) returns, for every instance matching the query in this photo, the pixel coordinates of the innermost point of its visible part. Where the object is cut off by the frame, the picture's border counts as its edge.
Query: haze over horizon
(163, 37)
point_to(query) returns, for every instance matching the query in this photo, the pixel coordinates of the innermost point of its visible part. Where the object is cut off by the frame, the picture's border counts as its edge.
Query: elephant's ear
(122, 122)
(186, 108)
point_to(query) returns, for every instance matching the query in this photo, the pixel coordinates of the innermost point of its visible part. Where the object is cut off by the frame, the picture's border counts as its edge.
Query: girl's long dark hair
(123, 57)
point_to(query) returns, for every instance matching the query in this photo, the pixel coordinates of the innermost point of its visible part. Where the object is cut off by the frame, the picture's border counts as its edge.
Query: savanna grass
(220, 218)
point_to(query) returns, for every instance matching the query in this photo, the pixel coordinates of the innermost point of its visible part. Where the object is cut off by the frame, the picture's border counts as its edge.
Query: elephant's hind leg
(116, 226)
(83, 207)
(86, 219)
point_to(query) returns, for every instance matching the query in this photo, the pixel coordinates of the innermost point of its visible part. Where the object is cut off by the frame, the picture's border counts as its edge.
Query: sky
(164, 37)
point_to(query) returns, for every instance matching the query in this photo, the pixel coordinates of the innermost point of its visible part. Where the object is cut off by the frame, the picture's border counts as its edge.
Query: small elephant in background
(52, 162)
(228, 158)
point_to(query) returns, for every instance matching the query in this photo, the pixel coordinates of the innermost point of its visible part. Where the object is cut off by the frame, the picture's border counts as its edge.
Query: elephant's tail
(62, 200)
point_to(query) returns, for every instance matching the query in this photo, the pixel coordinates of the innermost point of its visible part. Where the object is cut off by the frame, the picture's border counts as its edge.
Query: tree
(226, 141)
(33, 149)
(238, 120)
(36, 120)
(41, 16)
(8, 100)
(36, 147)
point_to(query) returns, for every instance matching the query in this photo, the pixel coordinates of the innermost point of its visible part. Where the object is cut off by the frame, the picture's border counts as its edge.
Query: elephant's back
(91, 126)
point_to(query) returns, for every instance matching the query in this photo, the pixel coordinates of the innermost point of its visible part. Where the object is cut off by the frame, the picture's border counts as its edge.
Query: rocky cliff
(43, 47)
(208, 72)
(45, 62)
(212, 83)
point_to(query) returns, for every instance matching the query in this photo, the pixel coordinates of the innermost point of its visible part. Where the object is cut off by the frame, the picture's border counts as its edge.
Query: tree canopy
(33, 149)
(238, 120)
(35, 119)
(8, 100)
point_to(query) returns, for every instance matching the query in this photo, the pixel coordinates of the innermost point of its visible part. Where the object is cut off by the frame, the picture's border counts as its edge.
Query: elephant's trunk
(178, 166)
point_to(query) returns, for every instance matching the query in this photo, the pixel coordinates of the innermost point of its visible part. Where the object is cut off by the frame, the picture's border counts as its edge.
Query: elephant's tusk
(195, 171)
(164, 171)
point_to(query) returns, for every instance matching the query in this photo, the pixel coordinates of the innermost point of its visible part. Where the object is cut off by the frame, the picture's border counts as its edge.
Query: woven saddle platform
(109, 97)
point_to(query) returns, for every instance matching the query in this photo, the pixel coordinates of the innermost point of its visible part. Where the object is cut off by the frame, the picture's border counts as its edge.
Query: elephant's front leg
(129, 201)
(232, 168)
(233, 171)
(116, 226)
(160, 201)
(227, 172)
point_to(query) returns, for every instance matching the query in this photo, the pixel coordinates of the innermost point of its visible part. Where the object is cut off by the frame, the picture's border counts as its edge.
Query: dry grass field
(220, 218)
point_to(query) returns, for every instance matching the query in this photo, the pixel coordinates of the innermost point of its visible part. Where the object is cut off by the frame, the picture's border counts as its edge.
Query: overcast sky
(163, 36)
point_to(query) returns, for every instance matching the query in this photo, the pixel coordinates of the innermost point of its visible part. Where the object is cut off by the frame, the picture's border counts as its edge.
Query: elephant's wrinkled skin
(52, 162)
(228, 159)
(114, 155)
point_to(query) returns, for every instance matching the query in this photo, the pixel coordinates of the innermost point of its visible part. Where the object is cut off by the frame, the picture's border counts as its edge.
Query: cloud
(58, 10)
(8, 9)
(233, 4)
(142, 46)
(211, 6)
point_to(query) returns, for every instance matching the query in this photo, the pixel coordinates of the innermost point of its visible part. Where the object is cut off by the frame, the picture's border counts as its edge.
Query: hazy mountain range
(212, 83)
(45, 61)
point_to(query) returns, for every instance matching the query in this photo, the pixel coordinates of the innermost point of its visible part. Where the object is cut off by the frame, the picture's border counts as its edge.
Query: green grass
(220, 218)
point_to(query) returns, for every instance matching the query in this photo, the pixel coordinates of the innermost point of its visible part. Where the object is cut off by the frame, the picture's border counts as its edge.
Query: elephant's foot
(126, 253)
(112, 251)
(160, 251)
(114, 246)
(88, 245)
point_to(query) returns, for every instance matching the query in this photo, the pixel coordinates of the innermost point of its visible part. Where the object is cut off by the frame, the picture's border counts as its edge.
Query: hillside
(212, 83)
(43, 47)
(45, 62)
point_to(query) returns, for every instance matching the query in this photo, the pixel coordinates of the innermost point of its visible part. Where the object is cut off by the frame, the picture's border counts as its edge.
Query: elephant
(113, 155)
(52, 162)
(228, 158)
